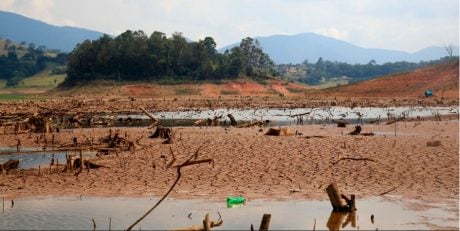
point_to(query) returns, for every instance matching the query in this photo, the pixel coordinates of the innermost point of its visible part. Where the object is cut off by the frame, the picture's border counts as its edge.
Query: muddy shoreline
(75, 105)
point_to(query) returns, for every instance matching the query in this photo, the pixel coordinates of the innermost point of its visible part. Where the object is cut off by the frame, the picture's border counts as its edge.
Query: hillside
(284, 49)
(19, 28)
(443, 79)
(242, 87)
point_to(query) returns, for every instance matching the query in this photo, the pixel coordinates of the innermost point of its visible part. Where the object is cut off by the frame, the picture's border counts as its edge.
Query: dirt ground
(246, 162)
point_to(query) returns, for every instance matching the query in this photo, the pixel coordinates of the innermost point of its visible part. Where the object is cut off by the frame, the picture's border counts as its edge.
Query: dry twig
(188, 162)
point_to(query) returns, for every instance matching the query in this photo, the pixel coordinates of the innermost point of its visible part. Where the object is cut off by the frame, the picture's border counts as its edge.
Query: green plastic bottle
(235, 201)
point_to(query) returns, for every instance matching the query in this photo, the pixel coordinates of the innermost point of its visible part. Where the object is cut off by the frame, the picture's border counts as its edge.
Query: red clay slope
(442, 79)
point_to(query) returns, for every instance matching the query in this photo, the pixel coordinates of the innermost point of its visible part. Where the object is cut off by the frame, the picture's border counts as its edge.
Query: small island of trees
(133, 56)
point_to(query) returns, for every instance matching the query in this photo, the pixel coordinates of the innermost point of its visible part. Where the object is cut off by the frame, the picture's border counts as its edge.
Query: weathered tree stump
(339, 201)
(279, 132)
(232, 120)
(357, 130)
(162, 132)
(341, 123)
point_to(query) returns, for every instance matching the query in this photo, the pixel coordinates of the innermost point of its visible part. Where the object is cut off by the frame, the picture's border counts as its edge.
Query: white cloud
(333, 32)
(393, 24)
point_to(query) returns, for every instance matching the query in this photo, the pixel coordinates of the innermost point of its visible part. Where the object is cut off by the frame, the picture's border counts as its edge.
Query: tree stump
(339, 201)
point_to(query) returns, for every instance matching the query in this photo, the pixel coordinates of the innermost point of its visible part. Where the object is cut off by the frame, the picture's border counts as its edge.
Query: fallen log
(155, 120)
(90, 164)
(352, 158)
(279, 132)
(252, 124)
(9, 164)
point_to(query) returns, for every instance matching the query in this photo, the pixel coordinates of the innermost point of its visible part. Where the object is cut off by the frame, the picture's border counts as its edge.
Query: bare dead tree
(188, 162)
(450, 49)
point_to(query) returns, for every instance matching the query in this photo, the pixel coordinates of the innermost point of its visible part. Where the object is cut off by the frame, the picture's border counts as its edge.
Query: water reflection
(339, 220)
(77, 213)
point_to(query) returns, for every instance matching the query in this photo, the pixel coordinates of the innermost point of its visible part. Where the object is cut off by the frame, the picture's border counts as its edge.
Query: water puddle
(35, 158)
(77, 213)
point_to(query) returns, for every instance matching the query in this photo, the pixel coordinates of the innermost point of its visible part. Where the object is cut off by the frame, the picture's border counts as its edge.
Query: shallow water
(76, 213)
(36, 159)
(282, 117)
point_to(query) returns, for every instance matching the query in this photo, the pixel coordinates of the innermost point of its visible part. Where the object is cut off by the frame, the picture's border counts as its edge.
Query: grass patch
(13, 97)
(2, 83)
(295, 90)
(226, 92)
(332, 83)
(186, 91)
(42, 79)
(260, 80)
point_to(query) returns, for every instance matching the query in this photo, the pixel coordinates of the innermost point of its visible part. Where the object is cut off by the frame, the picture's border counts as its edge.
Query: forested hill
(18, 61)
(134, 56)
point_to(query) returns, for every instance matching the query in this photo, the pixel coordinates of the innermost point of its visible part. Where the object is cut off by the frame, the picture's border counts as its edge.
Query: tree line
(134, 56)
(323, 70)
(15, 67)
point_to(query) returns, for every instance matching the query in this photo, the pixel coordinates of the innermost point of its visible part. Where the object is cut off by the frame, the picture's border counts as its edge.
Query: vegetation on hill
(324, 71)
(133, 56)
(18, 61)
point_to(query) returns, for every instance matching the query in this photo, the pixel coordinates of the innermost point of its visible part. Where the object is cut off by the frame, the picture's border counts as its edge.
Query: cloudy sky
(407, 25)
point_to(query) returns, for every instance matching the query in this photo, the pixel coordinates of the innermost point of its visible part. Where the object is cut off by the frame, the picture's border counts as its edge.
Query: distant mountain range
(281, 48)
(284, 49)
(19, 28)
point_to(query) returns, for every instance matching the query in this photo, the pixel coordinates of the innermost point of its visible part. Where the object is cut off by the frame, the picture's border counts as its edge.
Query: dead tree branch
(188, 162)
(352, 158)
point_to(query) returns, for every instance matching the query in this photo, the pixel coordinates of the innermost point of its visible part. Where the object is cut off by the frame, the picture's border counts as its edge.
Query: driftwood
(76, 164)
(279, 132)
(9, 164)
(92, 165)
(314, 136)
(208, 122)
(352, 158)
(252, 124)
(391, 190)
(154, 120)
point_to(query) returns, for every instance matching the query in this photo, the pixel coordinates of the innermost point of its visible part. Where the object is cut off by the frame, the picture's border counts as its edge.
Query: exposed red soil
(241, 87)
(442, 79)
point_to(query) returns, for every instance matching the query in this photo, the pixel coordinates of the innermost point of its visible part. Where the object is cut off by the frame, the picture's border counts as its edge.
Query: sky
(407, 25)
